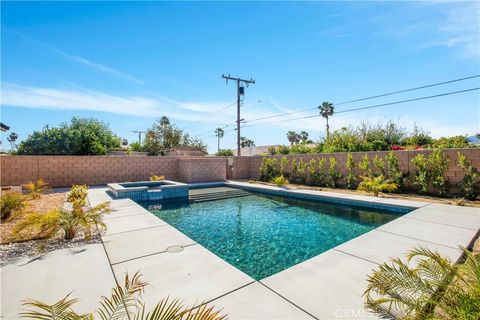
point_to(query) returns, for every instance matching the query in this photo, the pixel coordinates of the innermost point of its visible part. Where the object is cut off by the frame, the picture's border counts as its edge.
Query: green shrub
(470, 185)
(268, 169)
(9, 202)
(224, 153)
(451, 142)
(283, 150)
(301, 149)
(283, 166)
(438, 164)
(322, 172)
(351, 177)
(312, 172)
(157, 178)
(333, 175)
(280, 181)
(394, 173)
(364, 165)
(379, 166)
(272, 150)
(376, 185)
(421, 178)
(302, 172)
(35, 188)
(295, 174)
(78, 196)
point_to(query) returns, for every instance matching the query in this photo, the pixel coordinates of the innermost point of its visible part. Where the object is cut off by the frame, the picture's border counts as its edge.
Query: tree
(292, 137)
(12, 137)
(303, 136)
(219, 133)
(245, 142)
(82, 136)
(326, 111)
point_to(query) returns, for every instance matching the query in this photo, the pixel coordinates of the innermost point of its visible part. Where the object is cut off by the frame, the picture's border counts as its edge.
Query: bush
(302, 172)
(283, 150)
(421, 178)
(451, 142)
(283, 166)
(34, 189)
(268, 169)
(295, 174)
(333, 174)
(438, 164)
(376, 185)
(394, 173)
(225, 153)
(301, 149)
(379, 166)
(280, 181)
(470, 185)
(78, 196)
(312, 172)
(322, 173)
(351, 177)
(364, 165)
(9, 202)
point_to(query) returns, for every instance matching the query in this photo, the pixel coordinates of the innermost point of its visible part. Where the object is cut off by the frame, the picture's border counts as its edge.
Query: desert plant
(461, 202)
(438, 164)
(156, 178)
(321, 172)
(283, 149)
(11, 201)
(312, 172)
(283, 165)
(280, 181)
(364, 165)
(124, 303)
(268, 169)
(77, 196)
(376, 185)
(470, 185)
(421, 178)
(394, 173)
(302, 172)
(49, 224)
(35, 188)
(425, 286)
(272, 150)
(379, 166)
(351, 177)
(295, 174)
(333, 175)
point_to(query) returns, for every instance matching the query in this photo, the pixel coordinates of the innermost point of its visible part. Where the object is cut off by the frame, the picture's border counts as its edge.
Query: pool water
(262, 235)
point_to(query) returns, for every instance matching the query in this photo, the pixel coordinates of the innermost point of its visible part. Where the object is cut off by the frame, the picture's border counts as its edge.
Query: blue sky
(128, 63)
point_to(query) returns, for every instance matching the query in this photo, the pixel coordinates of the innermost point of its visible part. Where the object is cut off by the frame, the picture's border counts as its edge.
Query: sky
(128, 63)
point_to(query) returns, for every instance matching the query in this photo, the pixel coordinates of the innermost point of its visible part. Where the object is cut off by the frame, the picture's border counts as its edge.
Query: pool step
(218, 195)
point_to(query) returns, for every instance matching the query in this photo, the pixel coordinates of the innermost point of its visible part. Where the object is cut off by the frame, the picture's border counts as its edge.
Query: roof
(4, 127)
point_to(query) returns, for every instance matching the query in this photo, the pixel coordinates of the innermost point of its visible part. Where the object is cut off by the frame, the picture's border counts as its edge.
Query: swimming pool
(263, 234)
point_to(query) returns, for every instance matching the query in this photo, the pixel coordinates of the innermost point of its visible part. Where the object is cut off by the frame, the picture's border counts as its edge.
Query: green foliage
(35, 188)
(137, 147)
(426, 286)
(321, 180)
(438, 164)
(470, 185)
(280, 181)
(451, 142)
(82, 136)
(351, 177)
(78, 196)
(333, 175)
(225, 153)
(272, 150)
(124, 303)
(163, 136)
(312, 172)
(283, 150)
(268, 169)
(364, 165)
(11, 201)
(295, 174)
(419, 137)
(246, 142)
(394, 173)
(421, 178)
(283, 165)
(302, 172)
(301, 149)
(376, 185)
(379, 165)
(157, 178)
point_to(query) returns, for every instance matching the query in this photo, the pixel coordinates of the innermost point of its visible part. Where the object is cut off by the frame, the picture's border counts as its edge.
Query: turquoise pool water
(262, 235)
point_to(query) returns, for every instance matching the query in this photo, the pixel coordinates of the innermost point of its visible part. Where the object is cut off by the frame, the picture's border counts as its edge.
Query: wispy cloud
(84, 99)
(84, 61)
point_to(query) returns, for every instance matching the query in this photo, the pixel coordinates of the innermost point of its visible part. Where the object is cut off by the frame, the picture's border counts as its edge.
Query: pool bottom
(262, 235)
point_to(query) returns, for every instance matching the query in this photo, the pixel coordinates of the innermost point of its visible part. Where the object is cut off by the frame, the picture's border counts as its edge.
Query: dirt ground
(404, 196)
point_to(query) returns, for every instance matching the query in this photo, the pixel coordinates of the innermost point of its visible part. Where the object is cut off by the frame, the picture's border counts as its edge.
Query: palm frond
(204, 312)
(61, 310)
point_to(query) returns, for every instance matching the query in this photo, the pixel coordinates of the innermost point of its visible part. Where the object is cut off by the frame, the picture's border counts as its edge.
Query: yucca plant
(425, 286)
(11, 201)
(35, 188)
(376, 185)
(49, 224)
(123, 304)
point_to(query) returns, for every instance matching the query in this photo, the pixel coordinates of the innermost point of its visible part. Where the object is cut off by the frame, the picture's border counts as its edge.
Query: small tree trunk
(328, 130)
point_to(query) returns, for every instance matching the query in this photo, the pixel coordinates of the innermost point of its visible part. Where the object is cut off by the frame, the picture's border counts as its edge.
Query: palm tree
(303, 136)
(12, 137)
(219, 134)
(164, 121)
(292, 137)
(326, 111)
(246, 142)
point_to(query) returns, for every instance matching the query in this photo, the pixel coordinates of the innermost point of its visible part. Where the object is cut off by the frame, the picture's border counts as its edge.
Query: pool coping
(441, 230)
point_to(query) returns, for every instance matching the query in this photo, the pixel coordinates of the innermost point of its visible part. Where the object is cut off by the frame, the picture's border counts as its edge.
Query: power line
(368, 98)
(211, 113)
(373, 106)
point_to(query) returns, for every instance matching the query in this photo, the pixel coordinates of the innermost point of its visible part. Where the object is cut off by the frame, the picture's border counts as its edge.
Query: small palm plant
(35, 188)
(376, 185)
(426, 286)
(123, 304)
(11, 201)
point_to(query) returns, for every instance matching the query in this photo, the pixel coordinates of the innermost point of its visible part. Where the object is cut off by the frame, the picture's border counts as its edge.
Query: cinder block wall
(454, 173)
(202, 169)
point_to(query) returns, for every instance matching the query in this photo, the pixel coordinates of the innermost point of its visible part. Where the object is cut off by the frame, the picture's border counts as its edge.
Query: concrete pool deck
(327, 286)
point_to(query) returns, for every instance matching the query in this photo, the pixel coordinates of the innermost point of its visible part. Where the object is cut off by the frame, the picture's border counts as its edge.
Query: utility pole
(240, 92)
(139, 136)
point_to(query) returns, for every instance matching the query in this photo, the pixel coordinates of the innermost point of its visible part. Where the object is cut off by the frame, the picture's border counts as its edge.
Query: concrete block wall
(202, 169)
